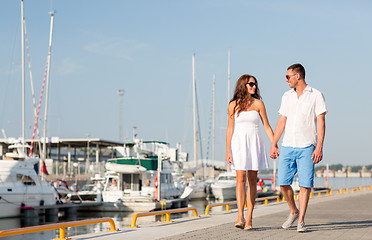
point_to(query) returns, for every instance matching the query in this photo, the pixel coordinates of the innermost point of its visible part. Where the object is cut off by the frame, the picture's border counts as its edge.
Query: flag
(43, 168)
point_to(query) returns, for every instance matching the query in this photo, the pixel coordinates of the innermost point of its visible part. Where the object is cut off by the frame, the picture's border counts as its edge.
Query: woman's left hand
(229, 159)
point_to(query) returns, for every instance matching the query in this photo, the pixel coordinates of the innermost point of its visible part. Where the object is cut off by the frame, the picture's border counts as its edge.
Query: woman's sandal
(247, 228)
(240, 225)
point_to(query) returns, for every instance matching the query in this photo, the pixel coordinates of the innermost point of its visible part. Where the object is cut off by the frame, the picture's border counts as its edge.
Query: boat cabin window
(227, 178)
(26, 180)
(132, 182)
(166, 178)
(112, 184)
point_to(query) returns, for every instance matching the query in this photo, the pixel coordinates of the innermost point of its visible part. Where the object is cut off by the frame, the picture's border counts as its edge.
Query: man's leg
(288, 194)
(286, 171)
(241, 178)
(303, 201)
(305, 167)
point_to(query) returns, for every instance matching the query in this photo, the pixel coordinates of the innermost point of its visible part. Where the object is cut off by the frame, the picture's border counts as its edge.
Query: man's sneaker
(301, 227)
(290, 220)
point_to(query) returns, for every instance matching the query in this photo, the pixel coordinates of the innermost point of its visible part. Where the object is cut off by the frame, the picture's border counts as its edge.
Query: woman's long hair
(241, 93)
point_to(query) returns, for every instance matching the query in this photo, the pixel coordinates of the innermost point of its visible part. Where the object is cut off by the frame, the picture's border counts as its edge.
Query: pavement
(341, 216)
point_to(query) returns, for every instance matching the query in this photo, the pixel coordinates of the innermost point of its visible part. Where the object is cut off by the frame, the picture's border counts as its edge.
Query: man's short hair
(298, 68)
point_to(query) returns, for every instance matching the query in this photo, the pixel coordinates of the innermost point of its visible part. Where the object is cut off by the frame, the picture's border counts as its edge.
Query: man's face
(291, 78)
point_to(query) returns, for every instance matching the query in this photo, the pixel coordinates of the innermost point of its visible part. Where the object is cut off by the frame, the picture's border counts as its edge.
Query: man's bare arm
(318, 152)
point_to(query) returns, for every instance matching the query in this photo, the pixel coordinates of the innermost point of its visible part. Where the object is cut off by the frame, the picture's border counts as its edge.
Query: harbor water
(123, 219)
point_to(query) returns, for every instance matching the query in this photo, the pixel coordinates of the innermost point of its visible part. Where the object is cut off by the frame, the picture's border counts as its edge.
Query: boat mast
(228, 77)
(194, 112)
(213, 120)
(23, 74)
(48, 74)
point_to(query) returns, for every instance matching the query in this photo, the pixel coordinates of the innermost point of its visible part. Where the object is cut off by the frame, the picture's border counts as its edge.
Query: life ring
(156, 182)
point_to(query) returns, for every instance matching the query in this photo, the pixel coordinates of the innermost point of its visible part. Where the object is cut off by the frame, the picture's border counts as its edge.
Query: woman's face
(251, 86)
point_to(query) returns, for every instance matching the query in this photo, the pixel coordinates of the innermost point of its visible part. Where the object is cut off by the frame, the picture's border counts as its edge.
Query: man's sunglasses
(289, 76)
(252, 84)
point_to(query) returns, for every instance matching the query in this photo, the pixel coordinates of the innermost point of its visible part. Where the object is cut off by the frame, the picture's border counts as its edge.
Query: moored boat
(20, 185)
(132, 182)
(225, 186)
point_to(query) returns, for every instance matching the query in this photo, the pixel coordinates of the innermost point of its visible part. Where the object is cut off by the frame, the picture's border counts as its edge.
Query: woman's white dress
(247, 147)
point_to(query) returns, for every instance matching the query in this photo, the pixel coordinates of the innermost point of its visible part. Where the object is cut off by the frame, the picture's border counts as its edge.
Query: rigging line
(197, 110)
(38, 108)
(209, 130)
(11, 69)
(187, 113)
(29, 67)
(2, 198)
(32, 82)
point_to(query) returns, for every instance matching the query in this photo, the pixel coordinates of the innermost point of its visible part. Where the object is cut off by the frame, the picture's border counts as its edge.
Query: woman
(245, 149)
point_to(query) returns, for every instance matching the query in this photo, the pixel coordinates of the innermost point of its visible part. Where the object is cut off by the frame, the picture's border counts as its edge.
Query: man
(302, 115)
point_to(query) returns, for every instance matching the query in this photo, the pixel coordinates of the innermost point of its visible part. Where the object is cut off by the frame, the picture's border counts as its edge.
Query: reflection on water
(124, 219)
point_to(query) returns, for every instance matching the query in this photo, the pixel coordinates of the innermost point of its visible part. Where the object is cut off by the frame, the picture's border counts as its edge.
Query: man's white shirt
(301, 113)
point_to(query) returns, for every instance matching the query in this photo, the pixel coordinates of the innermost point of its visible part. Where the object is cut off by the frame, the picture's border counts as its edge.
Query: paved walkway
(343, 216)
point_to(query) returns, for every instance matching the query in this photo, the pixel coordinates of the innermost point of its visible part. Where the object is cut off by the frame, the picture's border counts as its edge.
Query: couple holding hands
(302, 116)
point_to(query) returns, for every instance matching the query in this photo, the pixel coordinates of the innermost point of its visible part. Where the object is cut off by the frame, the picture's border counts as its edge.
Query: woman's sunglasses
(252, 84)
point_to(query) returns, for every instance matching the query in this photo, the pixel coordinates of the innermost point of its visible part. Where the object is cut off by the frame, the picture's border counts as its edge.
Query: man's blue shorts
(292, 160)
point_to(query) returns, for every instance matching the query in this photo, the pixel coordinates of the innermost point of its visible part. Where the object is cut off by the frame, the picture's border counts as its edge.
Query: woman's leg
(251, 195)
(241, 177)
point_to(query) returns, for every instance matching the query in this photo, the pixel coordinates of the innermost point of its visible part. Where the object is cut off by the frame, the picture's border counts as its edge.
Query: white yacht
(225, 186)
(132, 182)
(195, 189)
(20, 184)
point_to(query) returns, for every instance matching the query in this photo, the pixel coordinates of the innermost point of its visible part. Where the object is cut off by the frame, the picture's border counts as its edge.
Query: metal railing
(227, 204)
(266, 199)
(166, 212)
(60, 226)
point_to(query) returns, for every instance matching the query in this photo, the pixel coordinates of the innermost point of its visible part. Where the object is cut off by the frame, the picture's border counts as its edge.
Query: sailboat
(20, 185)
(196, 187)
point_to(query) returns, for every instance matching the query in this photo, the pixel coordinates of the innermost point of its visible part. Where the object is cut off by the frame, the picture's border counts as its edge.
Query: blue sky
(146, 47)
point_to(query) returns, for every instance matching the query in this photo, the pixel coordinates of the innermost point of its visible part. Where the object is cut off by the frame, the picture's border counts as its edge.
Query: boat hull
(223, 193)
(10, 204)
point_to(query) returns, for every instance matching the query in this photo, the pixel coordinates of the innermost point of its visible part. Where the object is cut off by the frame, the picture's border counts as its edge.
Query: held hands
(229, 158)
(274, 151)
(317, 155)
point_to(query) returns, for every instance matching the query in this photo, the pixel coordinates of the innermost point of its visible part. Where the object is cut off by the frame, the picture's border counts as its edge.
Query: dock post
(70, 212)
(30, 213)
(227, 208)
(51, 214)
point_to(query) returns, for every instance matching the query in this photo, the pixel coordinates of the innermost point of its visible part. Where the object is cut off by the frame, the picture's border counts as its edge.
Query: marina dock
(341, 216)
